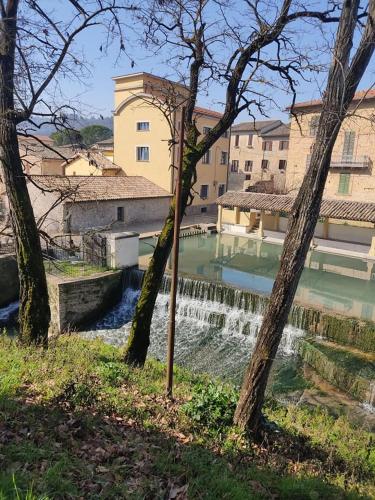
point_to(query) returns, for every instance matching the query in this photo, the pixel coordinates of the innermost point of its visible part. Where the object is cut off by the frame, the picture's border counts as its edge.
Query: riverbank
(76, 422)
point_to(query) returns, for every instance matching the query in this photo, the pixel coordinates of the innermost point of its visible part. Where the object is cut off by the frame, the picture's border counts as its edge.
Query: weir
(217, 327)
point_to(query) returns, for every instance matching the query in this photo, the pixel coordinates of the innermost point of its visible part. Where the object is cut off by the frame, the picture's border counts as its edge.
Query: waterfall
(369, 405)
(216, 326)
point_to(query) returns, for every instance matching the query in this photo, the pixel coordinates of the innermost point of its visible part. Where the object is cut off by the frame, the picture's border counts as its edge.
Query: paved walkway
(150, 228)
(321, 245)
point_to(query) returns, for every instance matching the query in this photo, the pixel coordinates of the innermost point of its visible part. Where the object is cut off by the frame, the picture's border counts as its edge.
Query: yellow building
(146, 117)
(351, 176)
(105, 147)
(91, 162)
(258, 154)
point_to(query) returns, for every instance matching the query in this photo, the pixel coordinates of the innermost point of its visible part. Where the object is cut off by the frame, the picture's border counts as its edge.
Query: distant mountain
(77, 123)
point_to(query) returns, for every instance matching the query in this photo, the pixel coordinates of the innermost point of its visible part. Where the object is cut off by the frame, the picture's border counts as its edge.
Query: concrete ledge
(76, 303)
(9, 284)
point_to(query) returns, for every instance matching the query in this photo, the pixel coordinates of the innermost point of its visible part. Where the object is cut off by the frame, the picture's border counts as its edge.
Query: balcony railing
(347, 162)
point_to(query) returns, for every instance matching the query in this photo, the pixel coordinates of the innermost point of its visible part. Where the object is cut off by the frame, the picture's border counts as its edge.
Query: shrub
(212, 405)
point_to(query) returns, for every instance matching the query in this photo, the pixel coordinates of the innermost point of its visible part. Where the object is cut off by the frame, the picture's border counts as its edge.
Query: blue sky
(97, 93)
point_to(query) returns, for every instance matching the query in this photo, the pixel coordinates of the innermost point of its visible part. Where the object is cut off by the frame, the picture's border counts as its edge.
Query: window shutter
(348, 148)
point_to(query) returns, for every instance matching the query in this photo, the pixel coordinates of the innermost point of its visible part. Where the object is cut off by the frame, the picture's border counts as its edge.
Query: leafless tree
(199, 31)
(37, 41)
(344, 76)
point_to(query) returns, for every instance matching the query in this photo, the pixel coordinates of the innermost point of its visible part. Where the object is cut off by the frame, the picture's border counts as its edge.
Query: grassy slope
(75, 422)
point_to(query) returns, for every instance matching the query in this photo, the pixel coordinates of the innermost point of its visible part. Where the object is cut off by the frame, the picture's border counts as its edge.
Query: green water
(345, 285)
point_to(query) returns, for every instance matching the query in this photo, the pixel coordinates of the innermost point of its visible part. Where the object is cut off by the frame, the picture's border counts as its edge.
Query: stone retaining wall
(78, 302)
(9, 284)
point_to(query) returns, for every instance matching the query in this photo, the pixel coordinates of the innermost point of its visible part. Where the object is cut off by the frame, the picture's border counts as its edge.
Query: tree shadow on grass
(64, 452)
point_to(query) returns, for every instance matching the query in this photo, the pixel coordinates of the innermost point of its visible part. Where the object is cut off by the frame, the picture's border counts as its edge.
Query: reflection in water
(333, 282)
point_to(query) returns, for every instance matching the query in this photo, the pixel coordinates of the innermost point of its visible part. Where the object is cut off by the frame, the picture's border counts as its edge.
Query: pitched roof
(96, 159)
(336, 209)
(104, 143)
(256, 126)
(358, 96)
(207, 112)
(282, 130)
(47, 152)
(100, 188)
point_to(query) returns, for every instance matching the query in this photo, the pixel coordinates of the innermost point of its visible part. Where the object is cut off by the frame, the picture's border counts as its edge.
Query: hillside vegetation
(75, 422)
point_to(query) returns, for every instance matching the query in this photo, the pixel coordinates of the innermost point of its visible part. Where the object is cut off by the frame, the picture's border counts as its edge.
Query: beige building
(351, 176)
(91, 162)
(44, 158)
(258, 156)
(144, 126)
(105, 147)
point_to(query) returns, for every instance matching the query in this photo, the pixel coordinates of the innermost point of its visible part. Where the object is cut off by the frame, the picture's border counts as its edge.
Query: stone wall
(78, 302)
(101, 214)
(9, 284)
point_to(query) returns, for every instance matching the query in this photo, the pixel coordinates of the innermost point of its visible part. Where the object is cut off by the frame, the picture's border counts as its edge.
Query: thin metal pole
(174, 282)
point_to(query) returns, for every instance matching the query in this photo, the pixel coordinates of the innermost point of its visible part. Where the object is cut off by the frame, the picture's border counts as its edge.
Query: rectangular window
(206, 130)
(203, 211)
(225, 135)
(206, 159)
(224, 158)
(143, 153)
(282, 164)
(120, 214)
(348, 148)
(248, 166)
(248, 177)
(267, 146)
(344, 184)
(236, 141)
(204, 191)
(221, 190)
(143, 126)
(234, 166)
(283, 145)
(250, 140)
(313, 125)
(265, 164)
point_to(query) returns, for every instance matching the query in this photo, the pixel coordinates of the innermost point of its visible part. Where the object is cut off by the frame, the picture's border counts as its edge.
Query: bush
(212, 405)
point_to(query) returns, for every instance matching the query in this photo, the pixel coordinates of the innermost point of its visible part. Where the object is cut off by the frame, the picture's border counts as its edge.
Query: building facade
(146, 137)
(258, 156)
(351, 175)
(77, 204)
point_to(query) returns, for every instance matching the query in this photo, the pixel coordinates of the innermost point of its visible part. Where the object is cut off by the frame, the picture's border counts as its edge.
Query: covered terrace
(340, 220)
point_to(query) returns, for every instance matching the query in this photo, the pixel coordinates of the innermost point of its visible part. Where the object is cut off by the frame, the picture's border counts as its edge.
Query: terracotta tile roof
(360, 95)
(256, 126)
(207, 112)
(335, 209)
(96, 188)
(105, 143)
(29, 148)
(95, 158)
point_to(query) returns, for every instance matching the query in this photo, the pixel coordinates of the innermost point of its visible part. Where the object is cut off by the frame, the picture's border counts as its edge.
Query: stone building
(77, 204)
(351, 176)
(258, 156)
(143, 142)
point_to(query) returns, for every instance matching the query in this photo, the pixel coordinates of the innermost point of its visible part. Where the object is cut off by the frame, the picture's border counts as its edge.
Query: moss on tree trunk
(34, 314)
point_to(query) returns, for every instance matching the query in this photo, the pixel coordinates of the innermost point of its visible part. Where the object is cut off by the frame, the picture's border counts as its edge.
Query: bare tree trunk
(34, 313)
(139, 339)
(342, 83)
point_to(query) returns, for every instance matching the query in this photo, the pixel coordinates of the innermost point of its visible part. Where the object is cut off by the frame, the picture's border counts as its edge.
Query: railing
(64, 257)
(347, 162)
